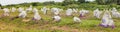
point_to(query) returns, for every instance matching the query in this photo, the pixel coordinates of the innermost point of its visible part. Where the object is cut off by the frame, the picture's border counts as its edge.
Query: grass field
(89, 24)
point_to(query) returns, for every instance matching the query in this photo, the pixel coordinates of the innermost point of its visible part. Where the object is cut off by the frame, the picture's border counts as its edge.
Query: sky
(8, 2)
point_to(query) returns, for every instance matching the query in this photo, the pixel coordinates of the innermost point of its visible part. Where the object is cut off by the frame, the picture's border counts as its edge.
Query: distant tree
(81, 1)
(118, 2)
(34, 4)
(111, 2)
(68, 2)
(100, 1)
(49, 3)
(58, 3)
(0, 5)
(106, 1)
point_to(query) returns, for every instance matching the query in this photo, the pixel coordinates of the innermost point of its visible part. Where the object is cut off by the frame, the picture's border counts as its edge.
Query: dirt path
(65, 28)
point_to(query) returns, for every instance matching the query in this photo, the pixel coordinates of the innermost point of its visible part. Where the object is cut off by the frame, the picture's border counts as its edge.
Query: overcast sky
(7, 2)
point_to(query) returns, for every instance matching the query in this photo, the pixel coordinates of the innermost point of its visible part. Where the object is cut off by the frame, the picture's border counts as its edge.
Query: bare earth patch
(65, 28)
(26, 20)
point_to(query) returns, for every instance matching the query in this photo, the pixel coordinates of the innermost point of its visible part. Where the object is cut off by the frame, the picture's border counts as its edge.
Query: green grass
(90, 24)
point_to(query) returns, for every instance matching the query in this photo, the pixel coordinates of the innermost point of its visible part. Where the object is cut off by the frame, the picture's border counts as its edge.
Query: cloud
(7, 2)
